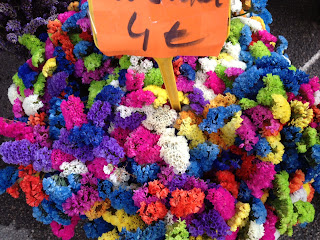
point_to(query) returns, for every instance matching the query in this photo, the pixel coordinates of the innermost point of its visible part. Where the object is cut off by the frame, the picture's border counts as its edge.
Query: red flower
(228, 181)
(184, 202)
(158, 189)
(152, 212)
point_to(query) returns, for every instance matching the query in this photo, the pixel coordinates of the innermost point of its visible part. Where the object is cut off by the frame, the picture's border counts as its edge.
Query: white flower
(175, 152)
(256, 231)
(168, 219)
(126, 111)
(139, 65)
(119, 176)
(73, 167)
(277, 235)
(31, 104)
(135, 60)
(254, 25)
(317, 97)
(13, 94)
(108, 169)
(232, 50)
(146, 65)
(159, 119)
(208, 64)
(208, 93)
(114, 83)
(236, 6)
(111, 128)
(233, 64)
(300, 194)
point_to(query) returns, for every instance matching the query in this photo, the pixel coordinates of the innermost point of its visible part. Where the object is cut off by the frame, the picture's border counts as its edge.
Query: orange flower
(152, 212)
(59, 36)
(158, 189)
(37, 119)
(185, 114)
(176, 66)
(297, 181)
(185, 202)
(14, 191)
(227, 180)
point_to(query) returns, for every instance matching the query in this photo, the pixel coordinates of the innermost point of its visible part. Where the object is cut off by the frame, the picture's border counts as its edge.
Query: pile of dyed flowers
(18, 17)
(97, 141)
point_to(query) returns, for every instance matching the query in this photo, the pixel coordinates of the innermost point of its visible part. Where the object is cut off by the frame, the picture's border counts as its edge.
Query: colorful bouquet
(95, 137)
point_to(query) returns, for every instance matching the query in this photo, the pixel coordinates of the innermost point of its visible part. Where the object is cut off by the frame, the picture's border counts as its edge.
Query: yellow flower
(122, 220)
(281, 108)
(225, 56)
(191, 132)
(229, 130)
(238, 220)
(265, 196)
(260, 20)
(160, 93)
(112, 235)
(98, 209)
(301, 114)
(277, 150)
(183, 98)
(49, 67)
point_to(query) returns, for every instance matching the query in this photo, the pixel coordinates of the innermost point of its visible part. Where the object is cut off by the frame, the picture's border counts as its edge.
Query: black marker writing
(136, 35)
(174, 33)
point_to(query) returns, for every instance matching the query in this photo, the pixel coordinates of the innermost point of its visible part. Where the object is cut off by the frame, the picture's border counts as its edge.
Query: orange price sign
(160, 29)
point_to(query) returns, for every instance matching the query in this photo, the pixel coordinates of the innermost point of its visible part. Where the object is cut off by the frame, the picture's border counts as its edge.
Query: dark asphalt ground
(292, 19)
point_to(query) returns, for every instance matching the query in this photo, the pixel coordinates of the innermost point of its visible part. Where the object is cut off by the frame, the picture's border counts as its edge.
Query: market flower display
(94, 137)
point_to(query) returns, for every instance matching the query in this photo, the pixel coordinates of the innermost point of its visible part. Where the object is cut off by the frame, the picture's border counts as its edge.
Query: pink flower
(142, 144)
(215, 83)
(17, 108)
(138, 99)
(134, 80)
(72, 111)
(65, 232)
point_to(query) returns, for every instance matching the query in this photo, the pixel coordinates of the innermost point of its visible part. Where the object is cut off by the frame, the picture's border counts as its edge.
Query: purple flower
(57, 83)
(13, 26)
(33, 25)
(197, 100)
(42, 160)
(18, 152)
(99, 112)
(81, 202)
(132, 122)
(210, 223)
(110, 150)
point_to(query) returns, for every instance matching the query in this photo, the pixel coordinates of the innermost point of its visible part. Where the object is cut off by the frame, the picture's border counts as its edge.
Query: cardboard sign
(160, 28)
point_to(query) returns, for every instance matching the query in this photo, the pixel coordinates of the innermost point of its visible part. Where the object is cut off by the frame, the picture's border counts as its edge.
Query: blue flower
(122, 199)
(216, 117)
(96, 228)
(81, 49)
(258, 211)
(245, 38)
(122, 77)
(152, 232)
(146, 173)
(86, 135)
(8, 176)
(27, 75)
(187, 71)
(104, 188)
(248, 84)
(110, 94)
